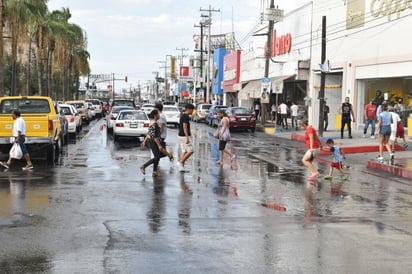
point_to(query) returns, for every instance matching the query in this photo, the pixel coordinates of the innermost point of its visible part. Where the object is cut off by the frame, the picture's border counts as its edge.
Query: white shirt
(283, 109)
(19, 125)
(294, 110)
(162, 120)
(395, 119)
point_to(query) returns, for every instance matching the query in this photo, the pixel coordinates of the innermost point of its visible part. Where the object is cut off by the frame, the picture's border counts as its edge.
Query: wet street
(94, 212)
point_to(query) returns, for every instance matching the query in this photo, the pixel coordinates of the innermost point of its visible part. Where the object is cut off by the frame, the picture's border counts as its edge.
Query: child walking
(337, 156)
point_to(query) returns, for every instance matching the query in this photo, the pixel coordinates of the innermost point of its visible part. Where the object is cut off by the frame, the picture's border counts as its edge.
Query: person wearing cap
(369, 113)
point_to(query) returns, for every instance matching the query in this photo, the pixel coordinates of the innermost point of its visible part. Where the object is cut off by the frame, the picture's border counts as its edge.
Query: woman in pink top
(313, 145)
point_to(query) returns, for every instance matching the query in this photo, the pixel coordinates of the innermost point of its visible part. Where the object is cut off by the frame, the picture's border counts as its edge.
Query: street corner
(400, 168)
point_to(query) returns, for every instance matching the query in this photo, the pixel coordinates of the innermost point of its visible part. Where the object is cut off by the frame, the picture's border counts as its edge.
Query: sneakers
(327, 177)
(373, 137)
(405, 145)
(380, 158)
(392, 156)
(364, 136)
(233, 157)
(6, 165)
(180, 167)
(344, 177)
(28, 167)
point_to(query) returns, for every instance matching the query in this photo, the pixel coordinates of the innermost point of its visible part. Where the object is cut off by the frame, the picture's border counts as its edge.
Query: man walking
(184, 137)
(284, 114)
(325, 116)
(370, 118)
(346, 110)
(19, 134)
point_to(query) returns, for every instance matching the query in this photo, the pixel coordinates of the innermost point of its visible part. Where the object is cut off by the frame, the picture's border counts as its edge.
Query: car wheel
(115, 137)
(253, 129)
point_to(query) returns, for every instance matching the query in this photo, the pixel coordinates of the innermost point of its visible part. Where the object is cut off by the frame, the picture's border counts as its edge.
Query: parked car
(172, 115)
(131, 123)
(201, 112)
(147, 108)
(82, 108)
(73, 118)
(92, 113)
(113, 115)
(211, 118)
(241, 118)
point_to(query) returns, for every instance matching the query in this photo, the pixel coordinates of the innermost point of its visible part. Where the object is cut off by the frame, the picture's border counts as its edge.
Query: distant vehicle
(92, 113)
(169, 103)
(172, 115)
(147, 108)
(241, 118)
(211, 118)
(201, 112)
(123, 102)
(113, 115)
(131, 123)
(97, 104)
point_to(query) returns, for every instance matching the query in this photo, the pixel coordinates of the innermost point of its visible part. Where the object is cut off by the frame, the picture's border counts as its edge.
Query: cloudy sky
(129, 37)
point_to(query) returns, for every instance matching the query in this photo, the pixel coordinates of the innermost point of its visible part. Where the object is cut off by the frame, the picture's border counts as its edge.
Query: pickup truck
(43, 129)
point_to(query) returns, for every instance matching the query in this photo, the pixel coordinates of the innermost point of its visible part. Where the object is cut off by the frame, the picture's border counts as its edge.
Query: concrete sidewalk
(401, 166)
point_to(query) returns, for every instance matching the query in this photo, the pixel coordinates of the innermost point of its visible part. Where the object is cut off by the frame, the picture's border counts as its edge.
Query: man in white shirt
(19, 134)
(394, 126)
(294, 113)
(284, 114)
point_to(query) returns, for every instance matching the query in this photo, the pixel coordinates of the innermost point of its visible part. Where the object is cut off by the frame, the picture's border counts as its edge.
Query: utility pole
(180, 71)
(322, 79)
(202, 24)
(268, 54)
(209, 23)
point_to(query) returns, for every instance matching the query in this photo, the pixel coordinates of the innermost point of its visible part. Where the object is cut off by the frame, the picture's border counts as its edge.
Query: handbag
(15, 151)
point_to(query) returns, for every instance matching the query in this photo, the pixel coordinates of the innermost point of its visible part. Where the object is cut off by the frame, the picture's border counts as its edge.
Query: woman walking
(384, 128)
(313, 145)
(223, 134)
(153, 140)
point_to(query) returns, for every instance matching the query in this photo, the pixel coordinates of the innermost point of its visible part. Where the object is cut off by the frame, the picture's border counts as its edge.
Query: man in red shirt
(370, 118)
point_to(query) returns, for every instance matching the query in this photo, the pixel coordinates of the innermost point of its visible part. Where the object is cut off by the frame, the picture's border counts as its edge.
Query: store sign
(380, 8)
(280, 45)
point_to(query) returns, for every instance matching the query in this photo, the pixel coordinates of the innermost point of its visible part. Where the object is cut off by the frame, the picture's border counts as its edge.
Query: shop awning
(250, 91)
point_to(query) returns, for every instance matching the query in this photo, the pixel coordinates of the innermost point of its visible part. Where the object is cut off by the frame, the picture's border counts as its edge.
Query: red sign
(184, 71)
(231, 71)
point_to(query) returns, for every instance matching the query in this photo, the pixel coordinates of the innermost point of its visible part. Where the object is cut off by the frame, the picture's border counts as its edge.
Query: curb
(393, 169)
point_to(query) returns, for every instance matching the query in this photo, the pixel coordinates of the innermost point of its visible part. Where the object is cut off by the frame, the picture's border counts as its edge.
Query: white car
(111, 118)
(131, 123)
(97, 104)
(172, 115)
(92, 113)
(74, 121)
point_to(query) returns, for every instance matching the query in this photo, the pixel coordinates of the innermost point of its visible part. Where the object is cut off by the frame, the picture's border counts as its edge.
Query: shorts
(23, 145)
(385, 130)
(222, 145)
(311, 155)
(337, 165)
(183, 146)
(400, 132)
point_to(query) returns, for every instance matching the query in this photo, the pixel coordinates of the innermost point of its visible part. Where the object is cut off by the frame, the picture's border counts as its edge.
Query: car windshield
(128, 115)
(123, 103)
(240, 111)
(65, 111)
(118, 109)
(206, 107)
(25, 105)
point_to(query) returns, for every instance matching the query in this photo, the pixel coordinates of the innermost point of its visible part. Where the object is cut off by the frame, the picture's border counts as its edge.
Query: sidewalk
(367, 148)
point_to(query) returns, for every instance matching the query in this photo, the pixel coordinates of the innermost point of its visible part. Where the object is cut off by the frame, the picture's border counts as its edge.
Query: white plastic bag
(15, 151)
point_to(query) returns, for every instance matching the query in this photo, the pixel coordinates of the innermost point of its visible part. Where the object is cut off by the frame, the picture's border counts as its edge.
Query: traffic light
(125, 79)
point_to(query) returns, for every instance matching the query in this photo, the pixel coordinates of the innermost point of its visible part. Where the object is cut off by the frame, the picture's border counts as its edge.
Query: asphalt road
(94, 212)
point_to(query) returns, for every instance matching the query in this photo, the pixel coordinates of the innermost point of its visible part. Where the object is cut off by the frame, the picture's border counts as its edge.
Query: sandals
(142, 170)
